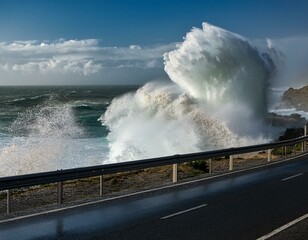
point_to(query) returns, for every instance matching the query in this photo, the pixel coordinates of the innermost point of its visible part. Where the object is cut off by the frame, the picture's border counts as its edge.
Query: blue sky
(120, 23)
(153, 26)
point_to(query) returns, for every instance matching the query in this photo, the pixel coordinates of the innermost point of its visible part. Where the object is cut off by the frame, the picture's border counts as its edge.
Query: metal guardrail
(8, 183)
(27, 180)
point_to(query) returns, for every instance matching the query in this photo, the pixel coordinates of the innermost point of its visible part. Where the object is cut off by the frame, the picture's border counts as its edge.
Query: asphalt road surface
(244, 205)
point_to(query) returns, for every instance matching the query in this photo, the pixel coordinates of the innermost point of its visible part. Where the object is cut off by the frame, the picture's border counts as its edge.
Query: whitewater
(217, 97)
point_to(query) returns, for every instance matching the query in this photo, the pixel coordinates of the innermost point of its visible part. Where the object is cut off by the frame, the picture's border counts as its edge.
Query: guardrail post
(60, 192)
(305, 134)
(8, 201)
(175, 173)
(269, 155)
(231, 163)
(101, 185)
(210, 166)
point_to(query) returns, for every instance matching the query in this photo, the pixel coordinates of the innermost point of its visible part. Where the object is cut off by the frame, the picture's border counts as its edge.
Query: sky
(123, 42)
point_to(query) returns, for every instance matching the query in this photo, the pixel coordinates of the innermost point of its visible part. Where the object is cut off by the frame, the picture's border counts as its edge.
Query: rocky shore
(293, 124)
(295, 98)
(292, 121)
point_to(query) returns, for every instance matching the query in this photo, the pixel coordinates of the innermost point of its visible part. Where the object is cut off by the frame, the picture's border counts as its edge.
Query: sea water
(45, 128)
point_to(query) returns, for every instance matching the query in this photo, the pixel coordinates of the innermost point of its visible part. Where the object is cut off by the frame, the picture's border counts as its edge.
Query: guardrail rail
(20, 181)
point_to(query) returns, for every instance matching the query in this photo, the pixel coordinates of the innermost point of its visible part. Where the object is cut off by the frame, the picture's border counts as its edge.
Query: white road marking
(185, 211)
(294, 176)
(278, 230)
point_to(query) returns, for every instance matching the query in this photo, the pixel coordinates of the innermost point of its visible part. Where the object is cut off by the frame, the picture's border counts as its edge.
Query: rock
(291, 133)
(293, 121)
(295, 98)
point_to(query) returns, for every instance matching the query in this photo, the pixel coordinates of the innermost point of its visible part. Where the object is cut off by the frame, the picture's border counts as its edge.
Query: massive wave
(217, 100)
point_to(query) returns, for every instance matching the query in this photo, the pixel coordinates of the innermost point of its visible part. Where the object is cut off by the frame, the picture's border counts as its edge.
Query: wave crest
(219, 88)
(218, 67)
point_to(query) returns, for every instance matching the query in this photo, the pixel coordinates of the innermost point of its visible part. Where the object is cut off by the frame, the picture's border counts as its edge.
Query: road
(244, 205)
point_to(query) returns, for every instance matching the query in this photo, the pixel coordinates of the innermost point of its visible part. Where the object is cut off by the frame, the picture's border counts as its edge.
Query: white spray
(44, 140)
(218, 100)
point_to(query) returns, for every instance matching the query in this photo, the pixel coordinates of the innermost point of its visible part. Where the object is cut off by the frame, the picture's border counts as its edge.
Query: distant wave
(41, 96)
(88, 105)
(71, 93)
(29, 100)
(16, 100)
(83, 107)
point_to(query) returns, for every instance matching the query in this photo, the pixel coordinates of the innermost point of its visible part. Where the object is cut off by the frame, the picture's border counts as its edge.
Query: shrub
(280, 151)
(199, 165)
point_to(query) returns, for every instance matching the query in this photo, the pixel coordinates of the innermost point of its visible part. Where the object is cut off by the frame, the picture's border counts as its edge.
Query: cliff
(295, 98)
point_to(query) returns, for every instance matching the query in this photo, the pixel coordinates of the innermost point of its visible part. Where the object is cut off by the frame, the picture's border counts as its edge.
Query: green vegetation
(199, 165)
(290, 149)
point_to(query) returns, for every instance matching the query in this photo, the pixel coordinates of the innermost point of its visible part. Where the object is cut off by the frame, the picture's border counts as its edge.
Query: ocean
(46, 128)
(218, 96)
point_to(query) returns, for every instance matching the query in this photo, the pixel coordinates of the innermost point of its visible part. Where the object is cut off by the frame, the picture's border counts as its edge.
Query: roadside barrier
(20, 181)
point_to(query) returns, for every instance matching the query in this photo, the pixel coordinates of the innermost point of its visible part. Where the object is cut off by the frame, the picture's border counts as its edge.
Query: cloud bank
(87, 62)
(83, 59)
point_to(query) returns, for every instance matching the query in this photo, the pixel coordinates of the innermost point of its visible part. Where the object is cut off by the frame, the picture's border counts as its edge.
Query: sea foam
(217, 100)
(43, 140)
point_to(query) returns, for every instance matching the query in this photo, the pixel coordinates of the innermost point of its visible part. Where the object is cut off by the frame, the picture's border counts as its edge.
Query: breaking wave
(43, 140)
(217, 100)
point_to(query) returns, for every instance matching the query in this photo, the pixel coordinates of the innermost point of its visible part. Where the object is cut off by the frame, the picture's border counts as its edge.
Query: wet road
(244, 205)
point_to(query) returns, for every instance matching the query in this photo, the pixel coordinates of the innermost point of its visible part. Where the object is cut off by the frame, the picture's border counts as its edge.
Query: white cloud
(83, 57)
(77, 61)
(133, 47)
